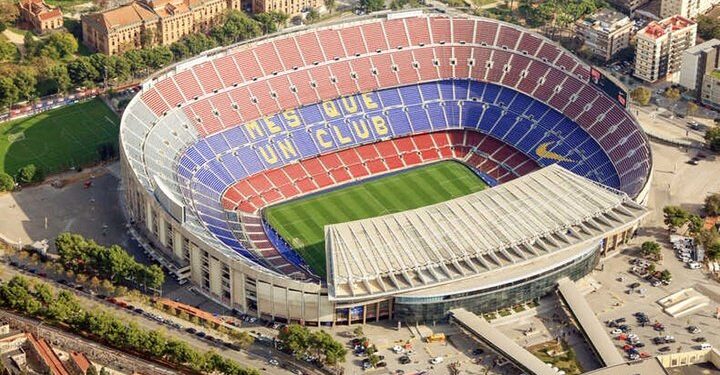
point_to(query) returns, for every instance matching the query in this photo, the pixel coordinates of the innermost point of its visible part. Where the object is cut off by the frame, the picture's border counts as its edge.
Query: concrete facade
(660, 46)
(696, 62)
(605, 33)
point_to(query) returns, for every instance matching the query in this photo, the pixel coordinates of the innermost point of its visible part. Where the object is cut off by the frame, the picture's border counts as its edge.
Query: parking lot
(631, 302)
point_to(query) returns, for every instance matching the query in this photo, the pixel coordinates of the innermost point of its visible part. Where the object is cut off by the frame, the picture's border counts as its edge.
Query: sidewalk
(672, 130)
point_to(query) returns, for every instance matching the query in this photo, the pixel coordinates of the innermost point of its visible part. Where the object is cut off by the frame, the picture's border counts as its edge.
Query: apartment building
(605, 32)
(660, 46)
(710, 92)
(628, 6)
(685, 8)
(698, 61)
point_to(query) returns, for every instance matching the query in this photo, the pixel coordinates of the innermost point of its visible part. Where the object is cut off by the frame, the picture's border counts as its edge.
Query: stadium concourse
(211, 142)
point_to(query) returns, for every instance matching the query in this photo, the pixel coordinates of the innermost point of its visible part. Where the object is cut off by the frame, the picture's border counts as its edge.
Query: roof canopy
(511, 224)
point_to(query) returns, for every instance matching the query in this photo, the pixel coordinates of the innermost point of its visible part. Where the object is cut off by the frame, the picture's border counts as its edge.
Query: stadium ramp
(589, 324)
(481, 330)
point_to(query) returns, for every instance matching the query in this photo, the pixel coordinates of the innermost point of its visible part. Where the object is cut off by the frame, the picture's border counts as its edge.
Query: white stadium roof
(511, 224)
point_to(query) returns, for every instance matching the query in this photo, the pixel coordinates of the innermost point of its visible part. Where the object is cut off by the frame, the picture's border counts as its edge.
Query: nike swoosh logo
(543, 152)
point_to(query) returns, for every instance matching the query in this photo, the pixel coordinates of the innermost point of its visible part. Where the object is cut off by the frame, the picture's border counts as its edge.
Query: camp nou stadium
(394, 167)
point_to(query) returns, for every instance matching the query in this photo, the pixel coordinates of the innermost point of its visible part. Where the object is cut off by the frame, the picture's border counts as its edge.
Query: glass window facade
(424, 309)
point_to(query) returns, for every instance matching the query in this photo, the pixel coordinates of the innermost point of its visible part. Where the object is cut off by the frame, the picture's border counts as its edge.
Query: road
(256, 356)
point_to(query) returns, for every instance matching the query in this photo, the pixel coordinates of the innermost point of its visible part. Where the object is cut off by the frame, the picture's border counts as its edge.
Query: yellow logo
(543, 152)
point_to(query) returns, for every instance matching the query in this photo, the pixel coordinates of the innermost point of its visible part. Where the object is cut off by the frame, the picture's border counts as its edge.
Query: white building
(698, 61)
(605, 33)
(660, 46)
(685, 8)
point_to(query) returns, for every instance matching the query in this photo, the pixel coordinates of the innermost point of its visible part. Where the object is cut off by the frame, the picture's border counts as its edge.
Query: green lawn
(301, 221)
(59, 139)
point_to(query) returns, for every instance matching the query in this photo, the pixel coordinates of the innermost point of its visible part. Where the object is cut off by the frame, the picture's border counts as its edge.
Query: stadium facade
(210, 142)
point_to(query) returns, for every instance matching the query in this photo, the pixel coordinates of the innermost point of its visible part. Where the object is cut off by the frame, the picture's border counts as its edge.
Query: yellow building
(145, 23)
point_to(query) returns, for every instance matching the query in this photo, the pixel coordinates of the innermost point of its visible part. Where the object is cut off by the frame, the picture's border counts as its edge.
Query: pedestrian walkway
(589, 323)
(481, 330)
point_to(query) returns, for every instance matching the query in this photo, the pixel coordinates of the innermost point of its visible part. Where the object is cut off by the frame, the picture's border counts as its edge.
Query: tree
(29, 173)
(329, 5)
(675, 216)
(8, 92)
(59, 45)
(691, 108)
(651, 268)
(672, 93)
(650, 249)
(31, 45)
(296, 338)
(712, 204)
(712, 136)
(369, 6)
(9, 12)
(708, 27)
(665, 275)
(8, 51)
(312, 16)
(696, 223)
(57, 78)
(25, 81)
(373, 359)
(92, 370)
(269, 21)
(236, 26)
(6, 182)
(712, 252)
(358, 331)
(147, 38)
(641, 95)
(328, 350)
(82, 72)
(243, 339)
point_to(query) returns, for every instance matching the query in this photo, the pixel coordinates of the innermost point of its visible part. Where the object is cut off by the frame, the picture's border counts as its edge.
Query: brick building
(41, 16)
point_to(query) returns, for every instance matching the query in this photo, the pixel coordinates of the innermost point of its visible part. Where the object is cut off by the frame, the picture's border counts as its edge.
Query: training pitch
(301, 221)
(58, 139)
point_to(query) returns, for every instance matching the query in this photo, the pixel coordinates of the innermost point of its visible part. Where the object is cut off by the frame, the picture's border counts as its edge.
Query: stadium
(392, 167)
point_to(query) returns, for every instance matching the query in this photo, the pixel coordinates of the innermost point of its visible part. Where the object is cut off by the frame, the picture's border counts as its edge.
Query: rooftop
(642, 367)
(704, 46)
(121, 16)
(40, 9)
(606, 20)
(513, 224)
(657, 29)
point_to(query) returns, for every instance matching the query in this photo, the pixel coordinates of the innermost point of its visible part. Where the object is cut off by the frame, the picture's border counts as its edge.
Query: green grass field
(301, 221)
(58, 139)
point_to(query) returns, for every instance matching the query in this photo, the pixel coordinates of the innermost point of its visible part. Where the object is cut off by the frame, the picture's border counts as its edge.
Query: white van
(694, 265)
(705, 345)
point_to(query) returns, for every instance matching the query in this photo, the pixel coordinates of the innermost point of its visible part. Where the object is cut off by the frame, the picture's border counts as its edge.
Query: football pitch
(301, 221)
(58, 139)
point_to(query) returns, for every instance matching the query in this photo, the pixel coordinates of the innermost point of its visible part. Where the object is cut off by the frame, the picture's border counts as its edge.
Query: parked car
(404, 360)
(437, 360)
(694, 330)
(664, 349)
